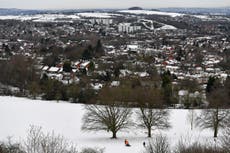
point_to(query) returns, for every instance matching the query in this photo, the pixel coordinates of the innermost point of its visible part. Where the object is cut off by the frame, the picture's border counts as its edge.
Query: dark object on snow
(127, 143)
(144, 144)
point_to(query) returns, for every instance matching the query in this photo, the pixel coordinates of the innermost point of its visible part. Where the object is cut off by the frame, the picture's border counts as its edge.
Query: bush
(184, 147)
(39, 142)
(92, 150)
(159, 145)
(10, 147)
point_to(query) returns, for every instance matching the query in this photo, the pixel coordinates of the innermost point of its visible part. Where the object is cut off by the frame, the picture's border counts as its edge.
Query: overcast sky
(83, 4)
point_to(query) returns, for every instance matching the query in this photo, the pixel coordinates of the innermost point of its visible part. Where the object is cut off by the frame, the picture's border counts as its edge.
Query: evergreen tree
(210, 84)
(99, 51)
(167, 86)
(88, 53)
(67, 66)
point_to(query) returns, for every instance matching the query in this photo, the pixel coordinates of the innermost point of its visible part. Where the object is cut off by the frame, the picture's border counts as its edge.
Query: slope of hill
(17, 114)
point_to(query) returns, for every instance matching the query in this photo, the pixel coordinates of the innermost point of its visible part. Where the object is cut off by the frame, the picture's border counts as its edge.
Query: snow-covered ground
(17, 114)
(97, 15)
(167, 27)
(70, 18)
(149, 12)
(171, 14)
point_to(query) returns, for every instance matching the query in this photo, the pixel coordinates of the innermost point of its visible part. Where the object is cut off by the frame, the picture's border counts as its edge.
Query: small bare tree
(191, 117)
(39, 142)
(152, 119)
(33, 139)
(213, 119)
(159, 145)
(110, 118)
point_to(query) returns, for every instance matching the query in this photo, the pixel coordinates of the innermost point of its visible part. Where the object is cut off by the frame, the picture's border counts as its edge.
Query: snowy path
(17, 114)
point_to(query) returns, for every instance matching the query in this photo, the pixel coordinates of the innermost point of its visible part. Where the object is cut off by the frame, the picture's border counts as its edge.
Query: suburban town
(100, 49)
(115, 69)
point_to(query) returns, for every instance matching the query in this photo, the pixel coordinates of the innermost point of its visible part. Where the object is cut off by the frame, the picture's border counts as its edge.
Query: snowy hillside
(97, 15)
(171, 14)
(57, 17)
(41, 17)
(17, 114)
(148, 12)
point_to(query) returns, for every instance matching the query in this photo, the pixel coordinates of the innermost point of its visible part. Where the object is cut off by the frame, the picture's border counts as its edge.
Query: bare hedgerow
(39, 142)
(92, 150)
(185, 145)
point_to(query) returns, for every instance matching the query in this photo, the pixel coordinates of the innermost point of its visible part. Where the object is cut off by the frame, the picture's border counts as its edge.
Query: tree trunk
(114, 134)
(149, 132)
(215, 132)
(216, 124)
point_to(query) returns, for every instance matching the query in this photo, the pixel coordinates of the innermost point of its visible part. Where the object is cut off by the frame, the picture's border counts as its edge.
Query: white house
(128, 27)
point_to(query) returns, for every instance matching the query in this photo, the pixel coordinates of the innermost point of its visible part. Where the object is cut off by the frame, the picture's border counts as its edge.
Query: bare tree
(110, 118)
(159, 145)
(191, 117)
(152, 119)
(213, 119)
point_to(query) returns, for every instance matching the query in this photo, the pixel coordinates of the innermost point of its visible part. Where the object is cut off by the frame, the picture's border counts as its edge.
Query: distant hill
(206, 11)
(155, 10)
(135, 8)
(13, 11)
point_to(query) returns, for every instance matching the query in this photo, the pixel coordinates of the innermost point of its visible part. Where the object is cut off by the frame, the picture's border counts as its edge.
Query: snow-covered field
(97, 15)
(17, 114)
(149, 12)
(57, 17)
(171, 14)
(41, 17)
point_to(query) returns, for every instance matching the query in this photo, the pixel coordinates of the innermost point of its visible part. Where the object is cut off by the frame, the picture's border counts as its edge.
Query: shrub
(159, 145)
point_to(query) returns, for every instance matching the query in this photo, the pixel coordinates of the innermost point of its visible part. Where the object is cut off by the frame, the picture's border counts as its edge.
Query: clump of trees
(113, 119)
(93, 52)
(18, 72)
(38, 141)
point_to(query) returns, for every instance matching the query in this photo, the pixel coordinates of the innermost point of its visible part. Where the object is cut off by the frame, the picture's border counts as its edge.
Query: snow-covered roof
(84, 64)
(45, 68)
(132, 47)
(53, 69)
(182, 92)
(97, 86)
(115, 83)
